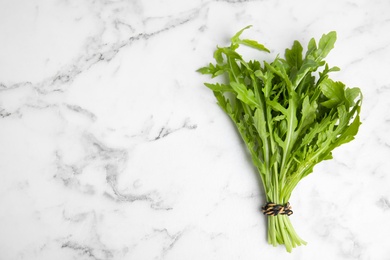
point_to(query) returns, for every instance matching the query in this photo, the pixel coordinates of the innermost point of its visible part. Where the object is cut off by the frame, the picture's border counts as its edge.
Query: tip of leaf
(246, 27)
(201, 70)
(236, 37)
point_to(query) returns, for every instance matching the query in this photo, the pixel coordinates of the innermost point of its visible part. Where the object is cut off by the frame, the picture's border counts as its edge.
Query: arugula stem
(268, 143)
(281, 225)
(288, 140)
(272, 232)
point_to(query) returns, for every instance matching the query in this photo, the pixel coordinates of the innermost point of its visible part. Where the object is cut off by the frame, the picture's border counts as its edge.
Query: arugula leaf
(219, 87)
(289, 113)
(244, 94)
(334, 91)
(326, 44)
(236, 41)
(294, 55)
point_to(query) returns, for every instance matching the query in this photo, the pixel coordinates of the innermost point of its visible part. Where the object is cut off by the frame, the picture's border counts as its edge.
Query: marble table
(112, 148)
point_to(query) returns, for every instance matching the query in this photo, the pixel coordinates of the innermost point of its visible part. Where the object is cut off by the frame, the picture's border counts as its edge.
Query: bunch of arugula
(289, 113)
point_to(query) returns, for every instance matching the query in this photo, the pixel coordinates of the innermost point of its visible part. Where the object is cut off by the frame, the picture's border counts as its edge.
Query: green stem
(281, 231)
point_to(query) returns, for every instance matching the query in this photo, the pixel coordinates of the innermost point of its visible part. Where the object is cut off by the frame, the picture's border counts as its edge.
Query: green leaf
(260, 123)
(204, 70)
(207, 70)
(236, 41)
(218, 55)
(349, 134)
(294, 56)
(334, 91)
(267, 81)
(334, 69)
(307, 66)
(236, 38)
(277, 106)
(277, 67)
(351, 94)
(326, 44)
(308, 113)
(279, 118)
(219, 87)
(279, 141)
(324, 73)
(222, 102)
(232, 54)
(244, 94)
(315, 129)
(311, 48)
(212, 70)
(254, 44)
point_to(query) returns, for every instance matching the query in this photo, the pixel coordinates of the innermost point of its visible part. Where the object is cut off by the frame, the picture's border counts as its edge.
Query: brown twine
(273, 209)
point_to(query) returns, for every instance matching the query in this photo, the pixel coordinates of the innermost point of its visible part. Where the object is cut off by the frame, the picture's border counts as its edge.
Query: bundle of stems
(290, 115)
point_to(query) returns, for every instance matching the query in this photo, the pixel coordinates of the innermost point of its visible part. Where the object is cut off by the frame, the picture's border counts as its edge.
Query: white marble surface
(111, 148)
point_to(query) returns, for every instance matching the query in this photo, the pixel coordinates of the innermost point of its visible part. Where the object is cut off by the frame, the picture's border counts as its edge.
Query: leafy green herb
(289, 113)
